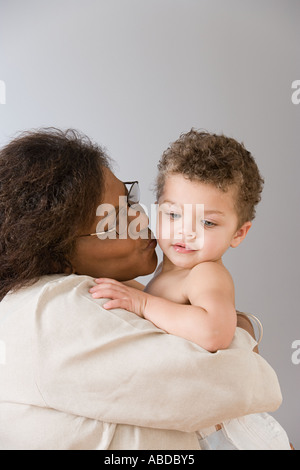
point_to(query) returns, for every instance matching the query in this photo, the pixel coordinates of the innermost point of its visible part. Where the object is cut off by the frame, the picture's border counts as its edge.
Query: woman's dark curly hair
(217, 160)
(51, 182)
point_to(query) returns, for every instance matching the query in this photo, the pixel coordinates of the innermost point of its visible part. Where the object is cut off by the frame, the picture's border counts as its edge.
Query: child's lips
(183, 248)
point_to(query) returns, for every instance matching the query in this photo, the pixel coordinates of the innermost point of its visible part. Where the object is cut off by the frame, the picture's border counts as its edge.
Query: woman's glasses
(117, 221)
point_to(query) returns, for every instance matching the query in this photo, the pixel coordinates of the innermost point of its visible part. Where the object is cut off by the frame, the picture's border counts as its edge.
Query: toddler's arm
(209, 321)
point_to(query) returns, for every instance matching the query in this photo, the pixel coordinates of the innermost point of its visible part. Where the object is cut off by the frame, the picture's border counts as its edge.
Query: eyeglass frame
(132, 183)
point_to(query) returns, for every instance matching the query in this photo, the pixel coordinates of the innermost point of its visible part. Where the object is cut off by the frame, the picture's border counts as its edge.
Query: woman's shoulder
(49, 289)
(53, 281)
(63, 289)
(61, 306)
(62, 283)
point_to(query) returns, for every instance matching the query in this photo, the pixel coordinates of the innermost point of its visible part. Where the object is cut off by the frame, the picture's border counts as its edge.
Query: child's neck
(168, 266)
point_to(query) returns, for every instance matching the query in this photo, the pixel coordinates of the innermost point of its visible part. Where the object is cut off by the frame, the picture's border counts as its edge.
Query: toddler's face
(196, 222)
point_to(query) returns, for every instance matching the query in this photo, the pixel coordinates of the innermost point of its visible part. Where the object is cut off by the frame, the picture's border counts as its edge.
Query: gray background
(134, 74)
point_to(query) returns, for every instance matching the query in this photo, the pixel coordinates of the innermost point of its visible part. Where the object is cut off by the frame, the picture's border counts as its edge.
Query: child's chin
(181, 261)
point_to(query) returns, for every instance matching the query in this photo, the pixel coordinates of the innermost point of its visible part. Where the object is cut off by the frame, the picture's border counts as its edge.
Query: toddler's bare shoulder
(210, 272)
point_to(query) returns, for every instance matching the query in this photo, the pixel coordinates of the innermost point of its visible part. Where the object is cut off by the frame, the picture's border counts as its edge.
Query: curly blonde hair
(217, 160)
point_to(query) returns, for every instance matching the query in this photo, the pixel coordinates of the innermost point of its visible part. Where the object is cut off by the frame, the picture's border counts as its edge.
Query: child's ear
(240, 234)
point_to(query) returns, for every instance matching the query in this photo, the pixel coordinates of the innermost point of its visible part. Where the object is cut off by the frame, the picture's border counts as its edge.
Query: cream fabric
(252, 432)
(76, 376)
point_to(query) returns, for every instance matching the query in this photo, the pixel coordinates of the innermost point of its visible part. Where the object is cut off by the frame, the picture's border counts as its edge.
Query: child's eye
(174, 216)
(208, 224)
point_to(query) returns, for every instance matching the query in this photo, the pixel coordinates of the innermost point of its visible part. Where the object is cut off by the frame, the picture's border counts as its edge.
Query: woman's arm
(244, 323)
(116, 367)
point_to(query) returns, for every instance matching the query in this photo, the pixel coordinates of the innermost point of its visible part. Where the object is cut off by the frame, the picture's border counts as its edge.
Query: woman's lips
(182, 248)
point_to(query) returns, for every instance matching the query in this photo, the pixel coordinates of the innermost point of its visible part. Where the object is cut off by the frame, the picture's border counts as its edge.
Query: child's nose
(187, 232)
(191, 235)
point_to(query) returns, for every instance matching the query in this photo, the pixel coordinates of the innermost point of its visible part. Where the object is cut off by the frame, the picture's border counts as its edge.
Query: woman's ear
(240, 234)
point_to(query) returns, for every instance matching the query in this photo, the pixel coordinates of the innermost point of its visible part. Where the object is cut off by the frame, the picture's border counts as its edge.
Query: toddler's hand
(122, 296)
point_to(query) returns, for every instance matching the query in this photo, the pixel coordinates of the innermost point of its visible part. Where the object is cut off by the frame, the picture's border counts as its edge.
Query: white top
(76, 376)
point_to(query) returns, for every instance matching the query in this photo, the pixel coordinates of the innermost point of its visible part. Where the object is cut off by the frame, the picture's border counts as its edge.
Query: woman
(73, 375)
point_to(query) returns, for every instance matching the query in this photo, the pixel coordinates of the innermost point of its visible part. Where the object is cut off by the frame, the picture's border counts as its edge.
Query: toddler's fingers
(108, 294)
(105, 288)
(106, 280)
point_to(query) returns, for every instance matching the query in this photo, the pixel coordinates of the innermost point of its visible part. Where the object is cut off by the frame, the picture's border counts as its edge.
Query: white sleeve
(116, 367)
